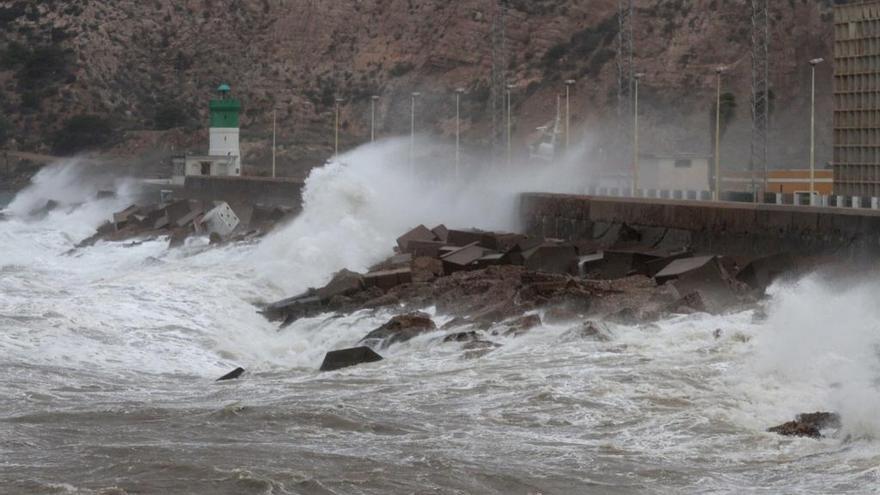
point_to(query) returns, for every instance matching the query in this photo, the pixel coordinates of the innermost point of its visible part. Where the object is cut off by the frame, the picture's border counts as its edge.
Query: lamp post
(336, 131)
(458, 92)
(635, 188)
(273, 143)
(718, 72)
(373, 117)
(509, 88)
(813, 64)
(568, 84)
(412, 131)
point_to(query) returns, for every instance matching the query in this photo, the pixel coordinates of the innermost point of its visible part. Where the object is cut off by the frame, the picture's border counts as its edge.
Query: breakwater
(717, 227)
(262, 190)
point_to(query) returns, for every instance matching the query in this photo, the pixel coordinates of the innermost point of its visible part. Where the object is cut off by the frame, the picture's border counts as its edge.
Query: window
(683, 163)
(206, 168)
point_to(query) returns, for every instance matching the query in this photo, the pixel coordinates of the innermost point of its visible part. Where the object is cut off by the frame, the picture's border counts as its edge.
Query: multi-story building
(857, 99)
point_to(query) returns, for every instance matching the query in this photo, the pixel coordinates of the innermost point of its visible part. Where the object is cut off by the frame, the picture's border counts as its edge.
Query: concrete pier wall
(717, 227)
(262, 190)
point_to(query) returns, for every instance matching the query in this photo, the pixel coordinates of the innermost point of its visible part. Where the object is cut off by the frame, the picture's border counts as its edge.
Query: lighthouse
(223, 140)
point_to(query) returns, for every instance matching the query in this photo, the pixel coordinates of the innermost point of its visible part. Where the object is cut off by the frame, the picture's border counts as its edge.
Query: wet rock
(588, 330)
(237, 372)
(808, 425)
(478, 348)
(691, 303)
(382, 301)
(522, 325)
(400, 329)
(343, 283)
(551, 258)
(344, 358)
(561, 314)
(759, 273)
(178, 237)
(388, 279)
(426, 269)
(461, 337)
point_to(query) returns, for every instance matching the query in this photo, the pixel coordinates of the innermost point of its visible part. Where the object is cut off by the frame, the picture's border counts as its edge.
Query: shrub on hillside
(83, 132)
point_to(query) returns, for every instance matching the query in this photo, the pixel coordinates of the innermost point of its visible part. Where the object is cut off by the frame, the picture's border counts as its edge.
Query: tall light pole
(636, 78)
(336, 131)
(412, 132)
(718, 72)
(568, 84)
(813, 64)
(373, 117)
(273, 143)
(458, 92)
(509, 88)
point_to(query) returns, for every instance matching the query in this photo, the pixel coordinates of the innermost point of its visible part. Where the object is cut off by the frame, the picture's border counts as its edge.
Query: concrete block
(420, 233)
(551, 258)
(388, 279)
(344, 358)
(220, 220)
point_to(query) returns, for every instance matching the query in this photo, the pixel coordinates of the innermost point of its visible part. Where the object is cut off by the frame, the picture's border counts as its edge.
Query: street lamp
(458, 93)
(718, 72)
(813, 64)
(568, 84)
(636, 78)
(509, 88)
(412, 131)
(273, 143)
(373, 117)
(336, 138)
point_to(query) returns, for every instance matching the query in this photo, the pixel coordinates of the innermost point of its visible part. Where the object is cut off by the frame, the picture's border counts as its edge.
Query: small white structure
(220, 220)
(688, 171)
(224, 153)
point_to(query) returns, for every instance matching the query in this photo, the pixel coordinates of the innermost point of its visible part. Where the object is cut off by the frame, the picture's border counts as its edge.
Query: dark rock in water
(401, 328)
(461, 337)
(215, 238)
(178, 237)
(588, 330)
(759, 273)
(237, 372)
(425, 269)
(344, 358)
(105, 194)
(478, 348)
(808, 425)
(522, 325)
(49, 206)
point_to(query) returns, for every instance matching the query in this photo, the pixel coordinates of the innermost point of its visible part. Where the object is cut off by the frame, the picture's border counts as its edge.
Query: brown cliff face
(127, 59)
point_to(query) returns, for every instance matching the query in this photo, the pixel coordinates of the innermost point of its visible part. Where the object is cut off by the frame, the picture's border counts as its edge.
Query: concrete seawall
(717, 227)
(262, 190)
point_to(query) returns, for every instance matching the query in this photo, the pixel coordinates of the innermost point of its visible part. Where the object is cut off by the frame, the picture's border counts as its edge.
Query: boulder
(425, 269)
(759, 273)
(178, 237)
(588, 330)
(461, 337)
(343, 283)
(463, 258)
(420, 233)
(808, 425)
(522, 325)
(551, 258)
(237, 372)
(690, 303)
(400, 329)
(478, 348)
(387, 279)
(344, 358)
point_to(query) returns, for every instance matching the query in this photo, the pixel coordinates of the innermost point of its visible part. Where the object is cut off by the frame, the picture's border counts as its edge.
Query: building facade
(857, 99)
(680, 172)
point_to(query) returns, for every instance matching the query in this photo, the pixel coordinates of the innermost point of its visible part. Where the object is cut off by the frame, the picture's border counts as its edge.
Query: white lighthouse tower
(224, 131)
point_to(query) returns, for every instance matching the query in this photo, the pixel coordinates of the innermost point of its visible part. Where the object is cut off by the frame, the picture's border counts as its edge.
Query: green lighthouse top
(224, 111)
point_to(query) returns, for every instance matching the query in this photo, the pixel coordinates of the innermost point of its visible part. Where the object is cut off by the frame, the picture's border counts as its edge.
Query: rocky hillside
(118, 74)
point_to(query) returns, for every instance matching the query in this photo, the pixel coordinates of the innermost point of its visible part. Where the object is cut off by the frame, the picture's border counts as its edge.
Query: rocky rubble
(180, 219)
(509, 284)
(808, 425)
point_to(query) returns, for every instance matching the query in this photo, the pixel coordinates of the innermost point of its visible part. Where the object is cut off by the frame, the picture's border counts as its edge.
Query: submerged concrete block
(237, 372)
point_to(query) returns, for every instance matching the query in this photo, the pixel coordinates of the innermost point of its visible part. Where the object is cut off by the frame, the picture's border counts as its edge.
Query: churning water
(110, 354)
